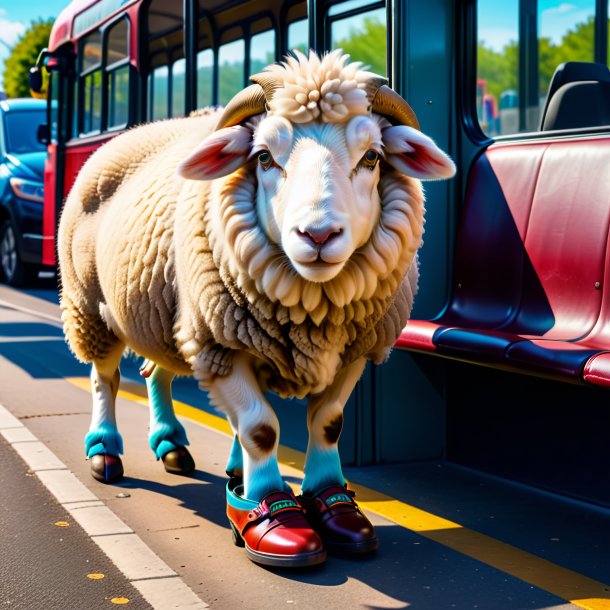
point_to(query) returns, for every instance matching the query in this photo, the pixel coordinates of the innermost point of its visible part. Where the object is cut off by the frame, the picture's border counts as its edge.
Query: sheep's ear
(415, 154)
(220, 154)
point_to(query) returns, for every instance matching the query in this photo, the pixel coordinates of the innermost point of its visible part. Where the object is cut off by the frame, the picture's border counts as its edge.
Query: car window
(20, 128)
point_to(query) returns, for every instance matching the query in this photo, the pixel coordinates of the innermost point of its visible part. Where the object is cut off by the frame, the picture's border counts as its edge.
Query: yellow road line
(571, 586)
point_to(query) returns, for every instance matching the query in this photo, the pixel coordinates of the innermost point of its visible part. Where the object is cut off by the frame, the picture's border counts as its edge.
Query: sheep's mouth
(318, 271)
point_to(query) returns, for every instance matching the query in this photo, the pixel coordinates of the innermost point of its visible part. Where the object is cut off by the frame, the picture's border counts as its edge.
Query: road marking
(566, 584)
(140, 565)
(54, 320)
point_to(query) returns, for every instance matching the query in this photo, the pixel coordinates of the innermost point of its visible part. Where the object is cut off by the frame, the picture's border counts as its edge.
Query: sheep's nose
(319, 236)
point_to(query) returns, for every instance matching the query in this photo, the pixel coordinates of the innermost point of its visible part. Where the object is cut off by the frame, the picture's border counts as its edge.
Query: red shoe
(339, 521)
(275, 531)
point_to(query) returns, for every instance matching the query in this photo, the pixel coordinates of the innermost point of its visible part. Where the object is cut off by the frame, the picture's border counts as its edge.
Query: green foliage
(501, 69)
(367, 45)
(23, 57)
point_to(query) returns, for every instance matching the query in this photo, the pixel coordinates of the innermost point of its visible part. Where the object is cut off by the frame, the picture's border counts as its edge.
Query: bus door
(57, 116)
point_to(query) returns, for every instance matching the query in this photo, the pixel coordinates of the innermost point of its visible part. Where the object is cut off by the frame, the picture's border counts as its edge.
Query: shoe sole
(286, 561)
(352, 548)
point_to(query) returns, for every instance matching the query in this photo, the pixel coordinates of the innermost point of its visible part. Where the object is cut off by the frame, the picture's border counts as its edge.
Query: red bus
(118, 63)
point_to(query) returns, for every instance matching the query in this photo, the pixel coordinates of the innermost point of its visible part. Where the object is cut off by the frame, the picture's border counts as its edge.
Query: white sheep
(269, 246)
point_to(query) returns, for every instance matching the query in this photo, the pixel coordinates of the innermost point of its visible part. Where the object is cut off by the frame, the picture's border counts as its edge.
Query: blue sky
(498, 22)
(16, 15)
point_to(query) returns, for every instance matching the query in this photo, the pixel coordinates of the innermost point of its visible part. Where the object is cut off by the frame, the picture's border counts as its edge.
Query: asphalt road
(47, 561)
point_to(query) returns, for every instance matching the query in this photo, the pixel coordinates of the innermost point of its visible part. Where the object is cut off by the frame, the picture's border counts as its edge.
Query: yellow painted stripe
(571, 586)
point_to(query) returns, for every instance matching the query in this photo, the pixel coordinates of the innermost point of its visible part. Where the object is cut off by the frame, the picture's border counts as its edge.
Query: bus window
(262, 50)
(230, 70)
(565, 32)
(362, 35)
(54, 84)
(166, 69)
(298, 35)
(91, 83)
(205, 73)
(178, 87)
(117, 68)
(159, 93)
(498, 67)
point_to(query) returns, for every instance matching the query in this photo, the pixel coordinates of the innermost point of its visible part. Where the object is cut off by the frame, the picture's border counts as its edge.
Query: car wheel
(13, 270)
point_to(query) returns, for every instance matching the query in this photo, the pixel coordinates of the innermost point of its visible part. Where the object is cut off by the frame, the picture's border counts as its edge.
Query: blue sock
(322, 469)
(105, 440)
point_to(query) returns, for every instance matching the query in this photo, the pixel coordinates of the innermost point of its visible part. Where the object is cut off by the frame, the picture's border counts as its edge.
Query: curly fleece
(174, 269)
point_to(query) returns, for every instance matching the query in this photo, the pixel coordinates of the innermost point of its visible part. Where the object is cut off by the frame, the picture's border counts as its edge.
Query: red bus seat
(530, 263)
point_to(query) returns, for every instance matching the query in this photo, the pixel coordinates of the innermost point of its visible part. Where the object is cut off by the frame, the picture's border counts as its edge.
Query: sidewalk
(48, 561)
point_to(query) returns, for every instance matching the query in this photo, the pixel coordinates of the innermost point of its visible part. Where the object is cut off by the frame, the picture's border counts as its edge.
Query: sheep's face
(317, 192)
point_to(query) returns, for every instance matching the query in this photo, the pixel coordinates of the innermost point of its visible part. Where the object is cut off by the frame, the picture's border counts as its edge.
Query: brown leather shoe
(339, 521)
(106, 468)
(179, 461)
(274, 532)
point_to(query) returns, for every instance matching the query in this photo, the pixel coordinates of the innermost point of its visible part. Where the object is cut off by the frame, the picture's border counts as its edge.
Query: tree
(500, 69)
(23, 57)
(367, 45)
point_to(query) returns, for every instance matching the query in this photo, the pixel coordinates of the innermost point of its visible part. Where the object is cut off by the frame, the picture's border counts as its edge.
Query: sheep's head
(318, 133)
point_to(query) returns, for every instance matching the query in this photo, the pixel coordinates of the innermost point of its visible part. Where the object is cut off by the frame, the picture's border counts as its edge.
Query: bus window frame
(373, 5)
(104, 30)
(108, 68)
(172, 55)
(282, 46)
(81, 78)
(244, 25)
(467, 41)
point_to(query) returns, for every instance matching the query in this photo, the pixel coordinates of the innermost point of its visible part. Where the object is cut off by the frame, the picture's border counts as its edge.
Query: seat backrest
(578, 96)
(565, 241)
(489, 252)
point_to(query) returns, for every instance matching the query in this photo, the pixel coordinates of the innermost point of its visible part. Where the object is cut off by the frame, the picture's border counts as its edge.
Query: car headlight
(26, 189)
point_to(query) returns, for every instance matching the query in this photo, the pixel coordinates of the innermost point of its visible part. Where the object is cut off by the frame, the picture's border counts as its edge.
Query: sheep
(268, 246)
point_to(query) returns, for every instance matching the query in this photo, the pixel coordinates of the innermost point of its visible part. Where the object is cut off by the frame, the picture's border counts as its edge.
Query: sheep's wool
(180, 270)
(304, 334)
(328, 88)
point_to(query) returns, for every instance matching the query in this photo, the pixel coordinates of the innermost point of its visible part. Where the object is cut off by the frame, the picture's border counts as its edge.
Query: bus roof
(80, 16)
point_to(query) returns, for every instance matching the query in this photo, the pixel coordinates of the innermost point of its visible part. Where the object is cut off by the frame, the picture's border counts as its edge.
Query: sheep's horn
(245, 104)
(388, 103)
(269, 82)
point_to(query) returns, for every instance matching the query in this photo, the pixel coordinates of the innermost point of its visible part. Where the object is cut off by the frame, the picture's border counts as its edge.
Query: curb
(160, 586)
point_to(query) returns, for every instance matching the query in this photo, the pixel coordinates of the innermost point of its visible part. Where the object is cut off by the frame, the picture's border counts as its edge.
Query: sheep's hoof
(106, 468)
(179, 461)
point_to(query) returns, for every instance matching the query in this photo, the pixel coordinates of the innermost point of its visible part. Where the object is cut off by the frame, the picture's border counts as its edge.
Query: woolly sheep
(269, 246)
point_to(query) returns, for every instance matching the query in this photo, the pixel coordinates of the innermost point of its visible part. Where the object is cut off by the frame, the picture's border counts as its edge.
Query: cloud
(9, 31)
(560, 9)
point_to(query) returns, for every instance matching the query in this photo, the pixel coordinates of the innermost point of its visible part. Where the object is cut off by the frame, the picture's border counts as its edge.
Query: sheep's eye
(265, 159)
(370, 159)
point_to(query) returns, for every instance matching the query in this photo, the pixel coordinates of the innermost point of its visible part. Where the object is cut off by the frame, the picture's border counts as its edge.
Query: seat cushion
(419, 335)
(559, 359)
(597, 370)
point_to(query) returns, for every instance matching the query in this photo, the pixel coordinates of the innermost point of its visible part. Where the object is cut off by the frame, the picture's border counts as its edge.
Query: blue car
(22, 159)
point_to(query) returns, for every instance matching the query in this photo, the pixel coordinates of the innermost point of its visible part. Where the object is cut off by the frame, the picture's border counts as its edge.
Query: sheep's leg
(324, 423)
(240, 397)
(103, 442)
(235, 463)
(331, 508)
(167, 436)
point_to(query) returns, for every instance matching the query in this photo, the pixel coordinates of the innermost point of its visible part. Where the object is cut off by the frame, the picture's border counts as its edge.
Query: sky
(15, 17)
(498, 22)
